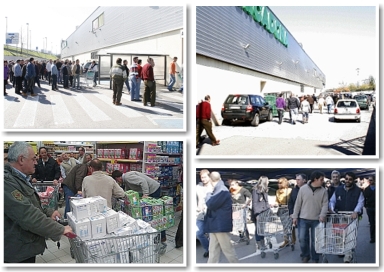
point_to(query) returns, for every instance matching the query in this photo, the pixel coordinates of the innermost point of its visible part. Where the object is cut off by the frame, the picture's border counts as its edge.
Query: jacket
(26, 223)
(283, 195)
(351, 200)
(99, 184)
(311, 202)
(292, 199)
(49, 171)
(140, 183)
(219, 210)
(74, 68)
(74, 179)
(369, 197)
(293, 103)
(259, 203)
(118, 72)
(67, 166)
(30, 71)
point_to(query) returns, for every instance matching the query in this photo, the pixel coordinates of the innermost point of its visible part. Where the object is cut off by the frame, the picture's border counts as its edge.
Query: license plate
(235, 108)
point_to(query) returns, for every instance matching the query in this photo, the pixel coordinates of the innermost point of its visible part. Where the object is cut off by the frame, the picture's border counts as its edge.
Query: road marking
(172, 95)
(122, 109)
(27, 113)
(61, 114)
(92, 110)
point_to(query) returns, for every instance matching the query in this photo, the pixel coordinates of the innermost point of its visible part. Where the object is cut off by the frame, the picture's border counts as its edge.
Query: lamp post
(6, 29)
(27, 34)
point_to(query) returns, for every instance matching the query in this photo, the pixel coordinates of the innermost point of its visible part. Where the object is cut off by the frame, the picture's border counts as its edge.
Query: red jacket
(203, 110)
(147, 72)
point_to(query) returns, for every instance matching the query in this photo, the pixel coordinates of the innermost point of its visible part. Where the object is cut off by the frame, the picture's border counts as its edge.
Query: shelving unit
(54, 148)
(9, 143)
(163, 161)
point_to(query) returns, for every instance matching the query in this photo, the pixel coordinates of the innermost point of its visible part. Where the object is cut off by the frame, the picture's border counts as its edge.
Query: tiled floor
(55, 255)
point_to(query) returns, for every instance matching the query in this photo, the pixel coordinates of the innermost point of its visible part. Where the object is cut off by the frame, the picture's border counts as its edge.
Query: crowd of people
(308, 201)
(27, 224)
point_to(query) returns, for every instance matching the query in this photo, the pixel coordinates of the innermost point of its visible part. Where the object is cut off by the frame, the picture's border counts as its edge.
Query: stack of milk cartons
(92, 221)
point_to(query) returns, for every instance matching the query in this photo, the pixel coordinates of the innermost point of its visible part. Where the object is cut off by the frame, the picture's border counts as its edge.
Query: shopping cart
(135, 248)
(273, 222)
(88, 78)
(48, 193)
(239, 222)
(337, 235)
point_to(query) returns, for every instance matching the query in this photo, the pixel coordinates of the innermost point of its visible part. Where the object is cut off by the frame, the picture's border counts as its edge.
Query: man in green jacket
(26, 223)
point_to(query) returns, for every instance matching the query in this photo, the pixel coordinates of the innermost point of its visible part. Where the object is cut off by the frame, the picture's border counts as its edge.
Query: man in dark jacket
(370, 206)
(72, 184)
(301, 179)
(293, 105)
(218, 221)
(47, 169)
(348, 198)
(26, 223)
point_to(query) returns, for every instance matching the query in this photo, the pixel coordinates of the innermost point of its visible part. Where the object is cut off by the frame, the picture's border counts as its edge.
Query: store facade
(126, 32)
(249, 50)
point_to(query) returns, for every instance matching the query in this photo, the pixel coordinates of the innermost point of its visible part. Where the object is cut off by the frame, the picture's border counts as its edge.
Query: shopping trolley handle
(71, 235)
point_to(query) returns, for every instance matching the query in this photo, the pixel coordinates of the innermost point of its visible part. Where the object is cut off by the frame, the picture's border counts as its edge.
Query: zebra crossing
(89, 109)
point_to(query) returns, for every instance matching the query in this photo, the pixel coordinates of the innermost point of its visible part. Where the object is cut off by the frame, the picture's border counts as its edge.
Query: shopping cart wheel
(270, 245)
(276, 256)
(262, 254)
(292, 247)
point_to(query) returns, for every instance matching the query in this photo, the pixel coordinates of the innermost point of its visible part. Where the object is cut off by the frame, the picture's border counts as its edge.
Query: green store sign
(265, 18)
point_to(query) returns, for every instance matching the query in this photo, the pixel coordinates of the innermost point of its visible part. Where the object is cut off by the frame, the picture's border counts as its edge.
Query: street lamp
(27, 34)
(6, 29)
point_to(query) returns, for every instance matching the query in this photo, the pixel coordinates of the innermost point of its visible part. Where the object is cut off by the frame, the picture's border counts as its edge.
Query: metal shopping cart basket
(48, 193)
(273, 223)
(337, 235)
(88, 78)
(239, 222)
(135, 248)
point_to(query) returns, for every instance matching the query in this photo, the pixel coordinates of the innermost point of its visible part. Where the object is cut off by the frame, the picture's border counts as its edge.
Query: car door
(263, 107)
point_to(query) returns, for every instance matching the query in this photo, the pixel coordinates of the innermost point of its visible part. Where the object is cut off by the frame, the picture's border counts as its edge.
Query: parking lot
(321, 136)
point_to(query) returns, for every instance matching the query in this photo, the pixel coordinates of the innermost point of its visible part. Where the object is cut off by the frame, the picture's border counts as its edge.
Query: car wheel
(226, 122)
(256, 120)
(270, 116)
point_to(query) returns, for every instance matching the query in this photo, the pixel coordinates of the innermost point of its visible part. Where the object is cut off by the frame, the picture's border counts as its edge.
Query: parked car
(347, 109)
(247, 108)
(86, 66)
(363, 101)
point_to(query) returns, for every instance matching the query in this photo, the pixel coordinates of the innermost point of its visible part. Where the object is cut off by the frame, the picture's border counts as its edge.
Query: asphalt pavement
(366, 253)
(321, 136)
(91, 108)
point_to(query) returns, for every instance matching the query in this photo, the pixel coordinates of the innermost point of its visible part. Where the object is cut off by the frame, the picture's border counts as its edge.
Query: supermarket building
(248, 50)
(111, 32)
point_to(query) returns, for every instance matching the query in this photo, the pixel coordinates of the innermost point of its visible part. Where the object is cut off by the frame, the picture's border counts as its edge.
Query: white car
(347, 109)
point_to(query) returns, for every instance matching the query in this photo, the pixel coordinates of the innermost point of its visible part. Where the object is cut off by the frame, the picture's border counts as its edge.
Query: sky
(339, 40)
(46, 21)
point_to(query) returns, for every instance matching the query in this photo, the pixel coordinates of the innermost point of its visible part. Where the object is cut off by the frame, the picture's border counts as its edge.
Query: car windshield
(237, 99)
(347, 104)
(361, 98)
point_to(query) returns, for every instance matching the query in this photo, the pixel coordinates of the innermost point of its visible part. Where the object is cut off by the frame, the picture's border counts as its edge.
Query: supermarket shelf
(165, 154)
(163, 164)
(127, 142)
(69, 151)
(65, 144)
(118, 160)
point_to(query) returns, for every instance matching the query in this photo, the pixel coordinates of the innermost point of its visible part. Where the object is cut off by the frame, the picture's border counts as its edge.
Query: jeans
(307, 227)
(257, 237)
(133, 86)
(65, 81)
(49, 78)
(76, 78)
(67, 194)
(95, 77)
(59, 79)
(294, 113)
(127, 84)
(54, 82)
(172, 81)
(305, 115)
(201, 235)
(280, 112)
(329, 106)
(137, 93)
